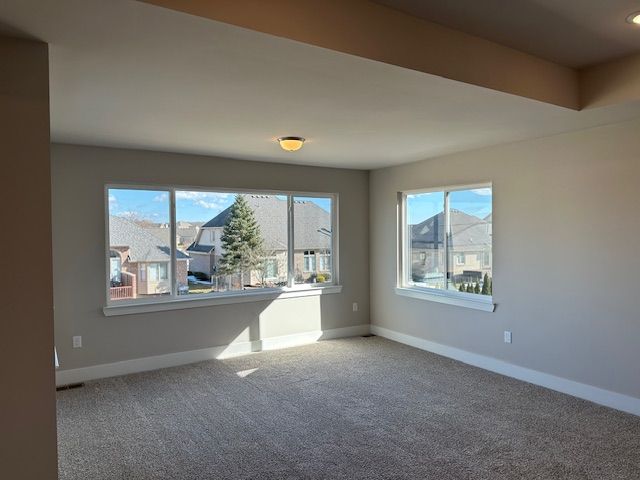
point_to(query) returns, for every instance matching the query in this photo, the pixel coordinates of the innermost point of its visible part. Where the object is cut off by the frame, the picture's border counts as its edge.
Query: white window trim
(173, 301)
(440, 296)
(213, 299)
(404, 287)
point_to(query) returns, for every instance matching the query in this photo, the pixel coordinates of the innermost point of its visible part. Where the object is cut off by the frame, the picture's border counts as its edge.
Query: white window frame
(118, 261)
(309, 255)
(174, 301)
(404, 286)
(157, 266)
(271, 261)
(324, 259)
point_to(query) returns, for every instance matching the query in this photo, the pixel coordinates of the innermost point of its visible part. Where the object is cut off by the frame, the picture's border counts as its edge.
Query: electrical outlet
(355, 307)
(507, 336)
(77, 342)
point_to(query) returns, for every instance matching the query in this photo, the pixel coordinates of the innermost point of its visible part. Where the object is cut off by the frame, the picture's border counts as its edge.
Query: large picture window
(446, 242)
(171, 242)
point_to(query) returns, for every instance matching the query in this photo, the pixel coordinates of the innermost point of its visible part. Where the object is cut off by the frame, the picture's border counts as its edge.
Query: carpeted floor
(358, 408)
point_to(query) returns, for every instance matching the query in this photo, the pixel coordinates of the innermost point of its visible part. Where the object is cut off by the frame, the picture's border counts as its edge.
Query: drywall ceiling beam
(376, 32)
(610, 83)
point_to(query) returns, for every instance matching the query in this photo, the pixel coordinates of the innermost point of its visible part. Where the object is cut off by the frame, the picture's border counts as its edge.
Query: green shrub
(485, 285)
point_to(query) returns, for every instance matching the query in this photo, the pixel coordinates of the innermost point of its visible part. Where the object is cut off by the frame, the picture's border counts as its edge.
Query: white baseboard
(597, 395)
(76, 375)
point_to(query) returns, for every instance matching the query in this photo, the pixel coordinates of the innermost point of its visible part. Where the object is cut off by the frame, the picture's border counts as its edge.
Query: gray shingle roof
(466, 231)
(194, 247)
(143, 245)
(271, 214)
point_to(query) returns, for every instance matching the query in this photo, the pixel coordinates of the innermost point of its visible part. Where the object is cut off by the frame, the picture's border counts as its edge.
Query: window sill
(484, 303)
(218, 299)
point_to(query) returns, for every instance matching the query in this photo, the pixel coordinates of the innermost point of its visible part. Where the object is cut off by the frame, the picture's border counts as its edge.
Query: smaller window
(115, 267)
(152, 272)
(309, 261)
(447, 241)
(157, 272)
(271, 268)
(325, 262)
(164, 271)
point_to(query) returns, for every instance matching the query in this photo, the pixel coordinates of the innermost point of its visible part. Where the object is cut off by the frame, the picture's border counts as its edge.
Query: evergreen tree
(463, 287)
(469, 288)
(485, 285)
(476, 288)
(490, 286)
(241, 240)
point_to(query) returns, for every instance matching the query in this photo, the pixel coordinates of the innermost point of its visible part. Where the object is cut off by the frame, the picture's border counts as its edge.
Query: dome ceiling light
(291, 144)
(634, 18)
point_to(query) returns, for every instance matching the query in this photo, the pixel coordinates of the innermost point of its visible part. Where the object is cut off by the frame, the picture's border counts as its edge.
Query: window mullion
(290, 240)
(405, 242)
(446, 238)
(173, 243)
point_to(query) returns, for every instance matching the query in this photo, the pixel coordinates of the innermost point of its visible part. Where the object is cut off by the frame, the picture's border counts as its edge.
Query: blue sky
(153, 205)
(475, 202)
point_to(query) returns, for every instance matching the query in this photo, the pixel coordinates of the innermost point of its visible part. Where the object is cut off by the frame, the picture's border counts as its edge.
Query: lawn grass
(199, 288)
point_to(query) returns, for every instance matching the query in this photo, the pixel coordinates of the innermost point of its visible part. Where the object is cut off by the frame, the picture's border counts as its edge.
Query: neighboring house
(312, 241)
(470, 248)
(186, 233)
(140, 262)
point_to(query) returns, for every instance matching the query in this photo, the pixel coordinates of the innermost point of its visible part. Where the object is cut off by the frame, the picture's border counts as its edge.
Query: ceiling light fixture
(634, 18)
(291, 144)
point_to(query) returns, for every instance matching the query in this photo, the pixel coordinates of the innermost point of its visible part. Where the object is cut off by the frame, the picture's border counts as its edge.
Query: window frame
(173, 300)
(324, 259)
(404, 285)
(271, 261)
(309, 255)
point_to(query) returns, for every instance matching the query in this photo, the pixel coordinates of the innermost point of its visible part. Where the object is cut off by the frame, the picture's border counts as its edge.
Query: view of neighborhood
(242, 244)
(464, 263)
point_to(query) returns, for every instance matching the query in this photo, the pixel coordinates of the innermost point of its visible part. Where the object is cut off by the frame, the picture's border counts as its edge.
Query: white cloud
(485, 192)
(161, 198)
(210, 205)
(201, 195)
(112, 199)
(214, 201)
(128, 214)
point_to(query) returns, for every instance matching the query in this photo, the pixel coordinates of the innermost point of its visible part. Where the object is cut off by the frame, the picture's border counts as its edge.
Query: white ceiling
(575, 33)
(129, 74)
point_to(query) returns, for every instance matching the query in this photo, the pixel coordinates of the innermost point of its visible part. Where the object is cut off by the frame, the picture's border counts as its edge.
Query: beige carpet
(359, 408)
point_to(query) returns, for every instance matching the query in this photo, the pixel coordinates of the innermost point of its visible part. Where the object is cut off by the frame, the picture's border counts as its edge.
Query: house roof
(271, 214)
(163, 233)
(466, 231)
(143, 245)
(194, 247)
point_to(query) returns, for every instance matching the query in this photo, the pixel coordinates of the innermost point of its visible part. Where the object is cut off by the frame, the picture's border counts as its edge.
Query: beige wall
(79, 175)
(27, 401)
(566, 222)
